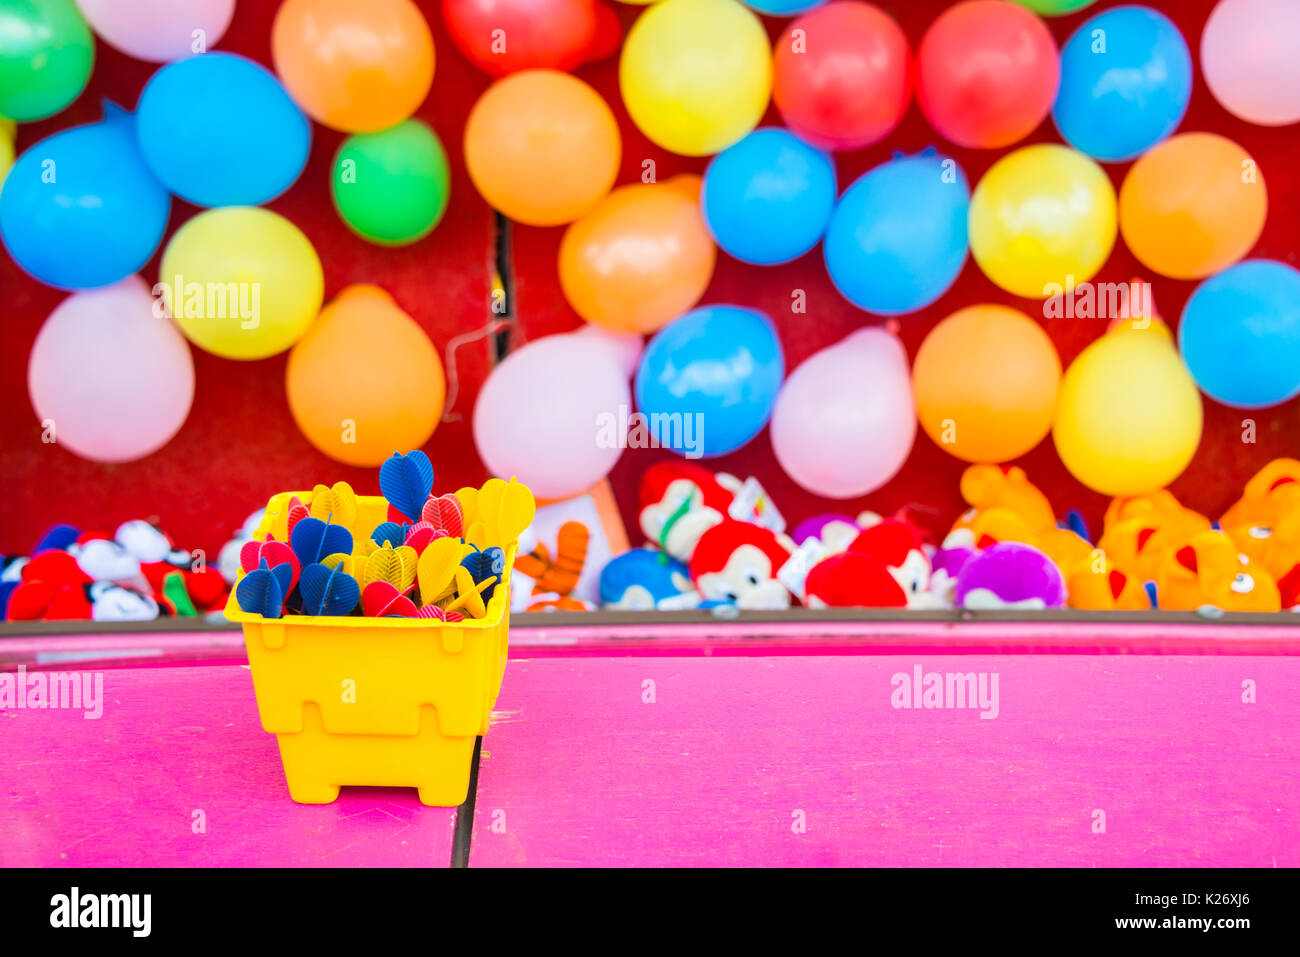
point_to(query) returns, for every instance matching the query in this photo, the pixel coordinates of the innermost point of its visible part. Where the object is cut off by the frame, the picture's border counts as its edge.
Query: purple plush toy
(1010, 575)
(833, 531)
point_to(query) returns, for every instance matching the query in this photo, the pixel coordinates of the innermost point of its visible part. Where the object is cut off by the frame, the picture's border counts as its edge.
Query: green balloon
(46, 53)
(392, 187)
(1055, 8)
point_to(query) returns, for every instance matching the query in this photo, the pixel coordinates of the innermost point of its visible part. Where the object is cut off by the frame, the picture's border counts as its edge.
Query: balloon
(768, 199)
(707, 381)
(46, 53)
(6, 157)
(1250, 55)
(1117, 102)
(783, 8)
(219, 130)
(640, 258)
(540, 414)
(365, 380)
(1240, 334)
(1128, 417)
(354, 66)
(696, 74)
(626, 347)
(80, 208)
(897, 238)
(844, 422)
(842, 75)
(159, 30)
(1193, 205)
(542, 147)
(1041, 214)
(987, 73)
(114, 380)
(534, 34)
(1055, 8)
(392, 187)
(986, 380)
(242, 282)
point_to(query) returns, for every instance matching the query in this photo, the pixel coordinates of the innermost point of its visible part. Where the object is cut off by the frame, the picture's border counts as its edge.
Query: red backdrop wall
(240, 443)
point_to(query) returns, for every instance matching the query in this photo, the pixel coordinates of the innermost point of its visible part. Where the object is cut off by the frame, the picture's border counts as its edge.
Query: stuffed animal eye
(753, 579)
(1243, 584)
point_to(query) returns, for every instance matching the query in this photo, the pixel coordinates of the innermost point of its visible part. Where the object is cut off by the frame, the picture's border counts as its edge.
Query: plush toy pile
(714, 540)
(135, 574)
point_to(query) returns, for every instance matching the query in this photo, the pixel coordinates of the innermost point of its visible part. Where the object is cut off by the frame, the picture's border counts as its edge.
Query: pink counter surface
(800, 760)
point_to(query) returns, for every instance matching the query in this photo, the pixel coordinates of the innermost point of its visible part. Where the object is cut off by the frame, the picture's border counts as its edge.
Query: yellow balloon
(1129, 417)
(6, 155)
(242, 282)
(1039, 215)
(696, 74)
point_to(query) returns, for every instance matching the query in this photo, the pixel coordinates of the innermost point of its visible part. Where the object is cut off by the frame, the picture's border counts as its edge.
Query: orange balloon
(542, 147)
(1192, 205)
(365, 381)
(985, 382)
(354, 65)
(641, 258)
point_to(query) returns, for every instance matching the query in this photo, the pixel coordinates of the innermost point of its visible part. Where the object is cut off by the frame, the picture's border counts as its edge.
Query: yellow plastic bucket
(376, 701)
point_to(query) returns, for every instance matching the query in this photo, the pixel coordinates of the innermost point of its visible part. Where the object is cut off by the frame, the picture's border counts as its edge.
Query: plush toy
(1097, 584)
(1010, 575)
(1209, 570)
(1270, 495)
(679, 502)
(945, 565)
(736, 563)
(1006, 488)
(646, 578)
(853, 580)
(898, 546)
(558, 574)
(1139, 531)
(834, 531)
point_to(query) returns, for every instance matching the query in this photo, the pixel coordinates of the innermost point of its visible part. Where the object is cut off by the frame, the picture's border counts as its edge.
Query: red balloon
(844, 81)
(505, 36)
(987, 73)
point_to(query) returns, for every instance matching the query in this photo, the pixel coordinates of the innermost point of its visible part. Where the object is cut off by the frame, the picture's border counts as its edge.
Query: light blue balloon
(220, 130)
(1240, 334)
(80, 209)
(1126, 79)
(783, 8)
(768, 198)
(707, 381)
(897, 239)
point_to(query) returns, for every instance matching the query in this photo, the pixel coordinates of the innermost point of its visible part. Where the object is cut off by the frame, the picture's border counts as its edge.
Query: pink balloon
(627, 346)
(844, 420)
(159, 30)
(550, 414)
(1250, 54)
(113, 380)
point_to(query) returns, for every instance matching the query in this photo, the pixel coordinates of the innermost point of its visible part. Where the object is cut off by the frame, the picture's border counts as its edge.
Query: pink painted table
(804, 761)
(178, 746)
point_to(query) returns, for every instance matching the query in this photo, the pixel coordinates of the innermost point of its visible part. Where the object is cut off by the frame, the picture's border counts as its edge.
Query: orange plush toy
(1141, 531)
(1004, 507)
(1209, 570)
(1271, 495)
(1265, 525)
(1097, 584)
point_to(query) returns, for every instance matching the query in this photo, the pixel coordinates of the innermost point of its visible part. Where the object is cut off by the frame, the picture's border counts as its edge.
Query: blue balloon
(783, 8)
(80, 209)
(220, 130)
(768, 198)
(1240, 334)
(1126, 79)
(897, 239)
(707, 381)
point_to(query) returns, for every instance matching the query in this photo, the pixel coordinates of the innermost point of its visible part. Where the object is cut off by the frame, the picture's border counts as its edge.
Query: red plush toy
(736, 562)
(679, 502)
(898, 546)
(853, 580)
